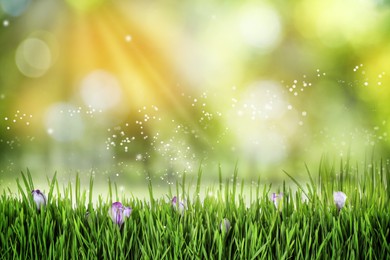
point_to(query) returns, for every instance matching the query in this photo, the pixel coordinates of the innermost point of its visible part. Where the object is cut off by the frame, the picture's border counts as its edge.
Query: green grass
(307, 227)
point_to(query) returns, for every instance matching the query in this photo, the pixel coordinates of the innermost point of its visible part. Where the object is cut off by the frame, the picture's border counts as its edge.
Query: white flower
(225, 225)
(39, 198)
(339, 199)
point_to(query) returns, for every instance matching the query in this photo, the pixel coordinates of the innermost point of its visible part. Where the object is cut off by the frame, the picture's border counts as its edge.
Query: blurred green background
(131, 90)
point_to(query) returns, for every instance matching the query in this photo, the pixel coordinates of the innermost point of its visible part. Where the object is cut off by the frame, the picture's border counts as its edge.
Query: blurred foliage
(158, 87)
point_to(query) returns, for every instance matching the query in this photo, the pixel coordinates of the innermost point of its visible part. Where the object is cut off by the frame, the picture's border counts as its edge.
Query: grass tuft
(306, 226)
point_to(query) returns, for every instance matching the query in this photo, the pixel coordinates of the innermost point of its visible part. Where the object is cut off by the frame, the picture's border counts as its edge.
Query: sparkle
(128, 38)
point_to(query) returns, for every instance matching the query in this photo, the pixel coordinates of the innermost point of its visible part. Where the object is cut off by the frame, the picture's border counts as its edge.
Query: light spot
(128, 38)
(264, 100)
(61, 124)
(33, 57)
(5, 23)
(14, 7)
(100, 90)
(85, 5)
(260, 27)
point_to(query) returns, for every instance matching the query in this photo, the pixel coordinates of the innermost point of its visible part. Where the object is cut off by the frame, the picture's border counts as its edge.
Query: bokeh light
(85, 5)
(63, 122)
(33, 57)
(260, 26)
(262, 123)
(100, 90)
(14, 7)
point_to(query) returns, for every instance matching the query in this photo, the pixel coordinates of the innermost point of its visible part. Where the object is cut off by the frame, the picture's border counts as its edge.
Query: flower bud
(39, 198)
(277, 199)
(179, 206)
(225, 225)
(118, 213)
(339, 199)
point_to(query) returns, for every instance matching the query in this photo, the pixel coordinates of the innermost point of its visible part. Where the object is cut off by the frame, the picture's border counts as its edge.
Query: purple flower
(225, 225)
(118, 213)
(179, 206)
(277, 199)
(339, 199)
(39, 198)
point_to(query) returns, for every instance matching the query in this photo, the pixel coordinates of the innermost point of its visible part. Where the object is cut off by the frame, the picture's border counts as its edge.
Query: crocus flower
(180, 206)
(118, 213)
(225, 225)
(87, 218)
(277, 199)
(39, 198)
(339, 199)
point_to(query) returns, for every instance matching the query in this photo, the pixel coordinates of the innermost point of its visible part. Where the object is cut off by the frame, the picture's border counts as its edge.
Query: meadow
(207, 222)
